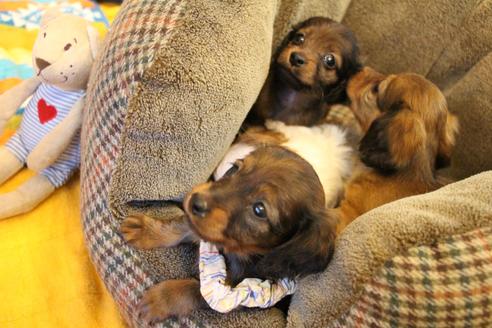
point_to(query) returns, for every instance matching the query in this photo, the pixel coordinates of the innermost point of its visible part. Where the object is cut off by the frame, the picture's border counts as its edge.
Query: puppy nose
(199, 205)
(296, 59)
(42, 64)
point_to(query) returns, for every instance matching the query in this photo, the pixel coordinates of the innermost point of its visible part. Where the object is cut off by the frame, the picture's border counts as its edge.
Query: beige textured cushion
(173, 83)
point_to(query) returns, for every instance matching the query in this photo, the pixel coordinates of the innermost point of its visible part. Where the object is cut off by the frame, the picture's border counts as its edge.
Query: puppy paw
(137, 231)
(145, 232)
(171, 298)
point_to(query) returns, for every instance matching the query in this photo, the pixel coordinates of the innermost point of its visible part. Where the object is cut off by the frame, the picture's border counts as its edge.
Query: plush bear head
(64, 50)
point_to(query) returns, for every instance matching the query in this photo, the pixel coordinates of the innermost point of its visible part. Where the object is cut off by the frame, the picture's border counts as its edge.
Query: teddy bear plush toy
(48, 139)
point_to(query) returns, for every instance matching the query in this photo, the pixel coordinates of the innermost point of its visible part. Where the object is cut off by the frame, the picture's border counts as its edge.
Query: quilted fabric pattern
(135, 36)
(447, 283)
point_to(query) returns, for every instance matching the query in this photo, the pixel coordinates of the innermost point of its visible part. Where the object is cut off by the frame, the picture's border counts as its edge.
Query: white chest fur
(324, 147)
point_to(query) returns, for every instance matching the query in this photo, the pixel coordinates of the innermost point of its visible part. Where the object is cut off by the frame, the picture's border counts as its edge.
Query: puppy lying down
(267, 213)
(408, 134)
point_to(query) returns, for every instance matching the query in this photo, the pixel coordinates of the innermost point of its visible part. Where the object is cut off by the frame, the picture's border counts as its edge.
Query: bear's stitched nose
(42, 64)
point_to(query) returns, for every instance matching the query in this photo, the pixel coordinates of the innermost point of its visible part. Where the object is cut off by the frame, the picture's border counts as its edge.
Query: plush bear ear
(49, 15)
(94, 40)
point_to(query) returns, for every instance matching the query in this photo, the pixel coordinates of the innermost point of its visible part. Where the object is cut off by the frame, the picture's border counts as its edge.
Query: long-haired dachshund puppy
(267, 213)
(408, 134)
(309, 72)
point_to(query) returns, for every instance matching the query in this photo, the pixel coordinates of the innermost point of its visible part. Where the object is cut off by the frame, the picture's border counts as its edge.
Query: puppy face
(270, 204)
(319, 53)
(405, 120)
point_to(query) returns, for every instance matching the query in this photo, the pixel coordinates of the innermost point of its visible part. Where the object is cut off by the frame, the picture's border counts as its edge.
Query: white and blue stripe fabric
(47, 108)
(250, 292)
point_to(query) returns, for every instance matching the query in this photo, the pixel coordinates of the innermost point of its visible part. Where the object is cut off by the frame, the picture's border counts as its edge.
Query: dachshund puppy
(408, 134)
(266, 212)
(308, 74)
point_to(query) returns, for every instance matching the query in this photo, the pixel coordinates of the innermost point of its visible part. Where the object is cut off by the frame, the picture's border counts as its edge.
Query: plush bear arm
(13, 98)
(54, 143)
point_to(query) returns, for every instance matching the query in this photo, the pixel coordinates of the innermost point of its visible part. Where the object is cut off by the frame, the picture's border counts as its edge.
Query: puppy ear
(336, 94)
(308, 251)
(374, 147)
(393, 140)
(407, 137)
(447, 140)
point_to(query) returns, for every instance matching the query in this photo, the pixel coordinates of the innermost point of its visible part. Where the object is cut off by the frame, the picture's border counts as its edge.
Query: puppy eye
(233, 169)
(67, 46)
(44, 35)
(329, 61)
(298, 39)
(259, 210)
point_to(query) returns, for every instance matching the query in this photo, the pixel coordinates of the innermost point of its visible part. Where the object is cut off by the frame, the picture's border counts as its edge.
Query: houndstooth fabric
(448, 284)
(445, 284)
(141, 28)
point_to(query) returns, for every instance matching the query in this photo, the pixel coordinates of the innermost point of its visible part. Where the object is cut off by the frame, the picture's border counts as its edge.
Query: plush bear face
(64, 50)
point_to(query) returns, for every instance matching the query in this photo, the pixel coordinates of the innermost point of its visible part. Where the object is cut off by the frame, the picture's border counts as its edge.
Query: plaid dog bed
(129, 49)
(441, 285)
(448, 279)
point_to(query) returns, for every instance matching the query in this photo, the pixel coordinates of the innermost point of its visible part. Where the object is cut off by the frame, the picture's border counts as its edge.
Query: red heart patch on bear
(46, 112)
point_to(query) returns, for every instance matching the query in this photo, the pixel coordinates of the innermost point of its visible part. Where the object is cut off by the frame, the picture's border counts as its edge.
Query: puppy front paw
(144, 232)
(136, 231)
(171, 298)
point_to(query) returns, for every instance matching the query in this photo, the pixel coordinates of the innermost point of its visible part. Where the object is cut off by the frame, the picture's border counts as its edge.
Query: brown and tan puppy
(308, 74)
(266, 211)
(408, 134)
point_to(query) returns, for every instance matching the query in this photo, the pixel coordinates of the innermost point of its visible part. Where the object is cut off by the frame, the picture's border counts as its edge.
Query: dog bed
(170, 90)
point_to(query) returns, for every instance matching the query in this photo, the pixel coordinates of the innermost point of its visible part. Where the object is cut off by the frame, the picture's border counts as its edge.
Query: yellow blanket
(46, 277)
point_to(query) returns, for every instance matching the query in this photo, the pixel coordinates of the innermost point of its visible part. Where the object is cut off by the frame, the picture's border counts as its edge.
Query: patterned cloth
(27, 13)
(446, 284)
(250, 292)
(47, 108)
(131, 44)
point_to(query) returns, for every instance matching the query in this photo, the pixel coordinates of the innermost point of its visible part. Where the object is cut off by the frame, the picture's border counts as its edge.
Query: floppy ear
(336, 94)
(393, 140)
(446, 141)
(94, 40)
(351, 66)
(374, 148)
(308, 251)
(49, 15)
